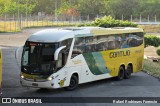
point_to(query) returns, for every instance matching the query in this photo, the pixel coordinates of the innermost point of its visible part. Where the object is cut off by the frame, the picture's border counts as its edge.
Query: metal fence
(14, 23)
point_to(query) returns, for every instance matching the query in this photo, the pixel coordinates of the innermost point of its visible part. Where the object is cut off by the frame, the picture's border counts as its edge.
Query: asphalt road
(140, 85)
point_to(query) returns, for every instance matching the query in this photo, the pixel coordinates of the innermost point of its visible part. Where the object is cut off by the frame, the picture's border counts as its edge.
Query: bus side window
(90, 44)
(132, 42)
(139, 38)
(118, 42)
(111, 45)
(102, 43)
(124, 38)
(78, 47)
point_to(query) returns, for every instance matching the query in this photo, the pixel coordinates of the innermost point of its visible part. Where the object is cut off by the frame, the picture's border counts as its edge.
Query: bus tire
(73, 83)
(120, 73)
(128, 71)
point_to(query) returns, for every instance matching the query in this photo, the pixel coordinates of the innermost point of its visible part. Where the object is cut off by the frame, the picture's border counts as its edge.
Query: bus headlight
(50, 78)
(22, 76)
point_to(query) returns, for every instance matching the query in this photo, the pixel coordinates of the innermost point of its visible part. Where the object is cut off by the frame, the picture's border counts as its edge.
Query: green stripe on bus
(96, 63)
(100, 62)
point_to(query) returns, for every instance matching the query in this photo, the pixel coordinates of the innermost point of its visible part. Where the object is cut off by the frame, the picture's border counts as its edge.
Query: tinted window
(106, 42)
(102, 43)
(63, 55)
(90, 44)
(118, 42)
(139, 39)
(79, 45)
(132, 40)
(66, 43)
(111, 43)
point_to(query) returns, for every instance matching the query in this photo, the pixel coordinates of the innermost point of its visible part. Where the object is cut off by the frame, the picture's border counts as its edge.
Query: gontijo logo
(119, 54)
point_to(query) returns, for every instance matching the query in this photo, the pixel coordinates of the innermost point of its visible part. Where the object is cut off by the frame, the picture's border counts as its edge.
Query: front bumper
(36, 84)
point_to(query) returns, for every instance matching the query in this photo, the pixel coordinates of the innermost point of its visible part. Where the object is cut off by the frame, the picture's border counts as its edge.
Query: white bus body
(76, 65)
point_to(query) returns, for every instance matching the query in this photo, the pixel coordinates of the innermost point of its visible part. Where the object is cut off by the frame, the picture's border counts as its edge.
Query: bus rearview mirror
(17, 52)
(57, 52)
(17, 55)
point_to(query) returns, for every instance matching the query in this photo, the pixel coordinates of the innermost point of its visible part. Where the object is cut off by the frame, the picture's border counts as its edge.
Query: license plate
(34, 84)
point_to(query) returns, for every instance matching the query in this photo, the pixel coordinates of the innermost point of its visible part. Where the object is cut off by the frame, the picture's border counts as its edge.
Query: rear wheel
(128, 72)
(73, 83)
(120, 73)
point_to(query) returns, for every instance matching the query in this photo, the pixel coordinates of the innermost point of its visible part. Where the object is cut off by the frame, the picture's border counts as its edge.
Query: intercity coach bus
(66, 57)
(0, 72)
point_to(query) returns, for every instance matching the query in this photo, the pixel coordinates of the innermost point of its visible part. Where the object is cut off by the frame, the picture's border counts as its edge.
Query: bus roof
(57, 35)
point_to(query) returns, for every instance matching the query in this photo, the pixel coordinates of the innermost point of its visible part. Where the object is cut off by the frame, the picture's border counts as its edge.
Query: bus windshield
(38, 58)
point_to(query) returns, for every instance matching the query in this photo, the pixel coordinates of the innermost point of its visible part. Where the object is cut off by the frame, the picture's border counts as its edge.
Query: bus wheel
(73, 83)
(127, 73)
(120, 73)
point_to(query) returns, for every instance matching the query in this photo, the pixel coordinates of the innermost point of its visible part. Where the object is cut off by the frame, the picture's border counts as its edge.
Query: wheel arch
(122, 65)
(130, 64)
(76, 74)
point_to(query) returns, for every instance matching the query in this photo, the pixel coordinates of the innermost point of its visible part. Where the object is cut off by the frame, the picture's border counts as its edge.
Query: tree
(12, 6)
(47, 6)
(117, 8)
(148, 7)
(92, 7)
(68, 9)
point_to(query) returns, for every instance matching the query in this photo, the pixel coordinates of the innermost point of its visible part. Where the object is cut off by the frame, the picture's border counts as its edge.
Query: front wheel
(73, 83)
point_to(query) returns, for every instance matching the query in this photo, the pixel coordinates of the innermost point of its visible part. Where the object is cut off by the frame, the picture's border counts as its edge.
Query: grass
(152, 68)
(150, 28)
(13, 26)
(9, 27)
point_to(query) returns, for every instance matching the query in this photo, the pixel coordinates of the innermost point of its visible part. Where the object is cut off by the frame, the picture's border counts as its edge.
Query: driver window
(78, 46)
(25, 58)
(63, 55)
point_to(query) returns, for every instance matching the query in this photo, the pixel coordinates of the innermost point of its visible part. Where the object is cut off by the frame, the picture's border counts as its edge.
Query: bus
(67, 57)
(0, 72)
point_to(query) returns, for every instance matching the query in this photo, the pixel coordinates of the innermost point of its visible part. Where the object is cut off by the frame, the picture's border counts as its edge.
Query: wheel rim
(121, 75)
(128, 73)
(72, 83)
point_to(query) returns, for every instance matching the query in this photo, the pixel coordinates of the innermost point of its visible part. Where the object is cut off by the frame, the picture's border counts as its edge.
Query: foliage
(117, 8)
(108, 21)
(91, 8)
(152, 41)
(67, 9)
(46, 6)
(13, 6)
(158, 51)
